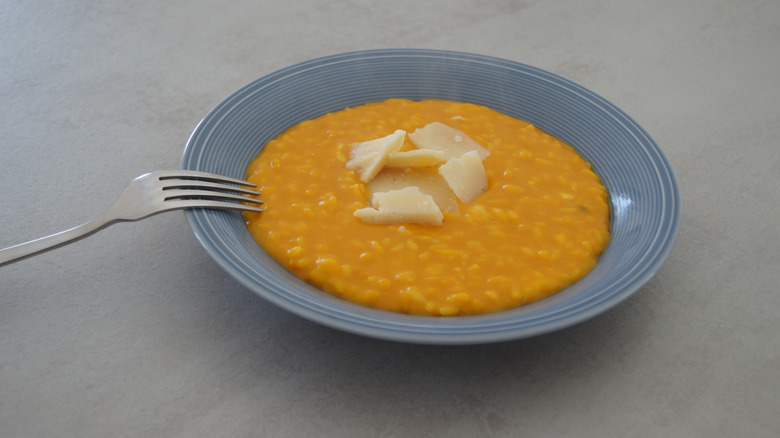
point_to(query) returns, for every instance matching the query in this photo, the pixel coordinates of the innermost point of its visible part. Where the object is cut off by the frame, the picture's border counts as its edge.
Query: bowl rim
(392, 326)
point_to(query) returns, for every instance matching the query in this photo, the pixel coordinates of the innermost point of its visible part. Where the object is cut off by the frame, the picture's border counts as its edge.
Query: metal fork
(147, 195)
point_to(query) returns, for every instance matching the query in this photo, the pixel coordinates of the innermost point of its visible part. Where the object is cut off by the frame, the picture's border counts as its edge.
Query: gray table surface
(135, 331)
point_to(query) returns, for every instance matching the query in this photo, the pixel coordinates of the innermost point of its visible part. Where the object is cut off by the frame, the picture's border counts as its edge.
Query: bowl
(644, 195)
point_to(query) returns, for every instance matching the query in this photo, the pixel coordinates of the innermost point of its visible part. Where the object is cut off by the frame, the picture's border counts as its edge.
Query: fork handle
(33, 247)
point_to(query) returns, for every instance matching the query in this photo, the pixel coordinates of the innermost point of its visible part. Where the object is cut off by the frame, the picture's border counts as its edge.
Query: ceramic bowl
(644, 195)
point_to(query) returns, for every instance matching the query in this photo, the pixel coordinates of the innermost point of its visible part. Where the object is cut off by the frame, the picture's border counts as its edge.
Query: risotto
(537, 226)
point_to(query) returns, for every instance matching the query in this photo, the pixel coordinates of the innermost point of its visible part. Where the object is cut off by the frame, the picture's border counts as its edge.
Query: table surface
(135, 331)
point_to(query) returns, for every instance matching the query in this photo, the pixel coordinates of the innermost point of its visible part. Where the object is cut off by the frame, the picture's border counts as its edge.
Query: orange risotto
(538, 225)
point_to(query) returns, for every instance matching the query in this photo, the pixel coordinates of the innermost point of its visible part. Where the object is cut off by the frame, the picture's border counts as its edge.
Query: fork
(149, 194)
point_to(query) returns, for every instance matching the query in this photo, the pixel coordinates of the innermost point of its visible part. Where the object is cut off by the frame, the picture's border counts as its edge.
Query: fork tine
(170, 184)
(195, 174)
(201, 203)
(207, 194)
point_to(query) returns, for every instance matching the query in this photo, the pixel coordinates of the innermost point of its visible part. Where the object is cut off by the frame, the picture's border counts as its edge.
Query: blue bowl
(644, 194)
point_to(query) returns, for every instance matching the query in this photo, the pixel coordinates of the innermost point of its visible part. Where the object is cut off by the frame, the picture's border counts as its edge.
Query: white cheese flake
(451, 141)
(465, 176)
(415, 158)
(367, 158)
(427, 180)
(407, 205)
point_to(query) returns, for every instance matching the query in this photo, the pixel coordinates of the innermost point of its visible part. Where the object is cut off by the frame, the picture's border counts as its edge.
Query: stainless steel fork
(146, 195)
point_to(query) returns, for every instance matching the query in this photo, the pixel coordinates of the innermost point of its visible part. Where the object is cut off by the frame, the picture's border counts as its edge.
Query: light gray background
(136, 332)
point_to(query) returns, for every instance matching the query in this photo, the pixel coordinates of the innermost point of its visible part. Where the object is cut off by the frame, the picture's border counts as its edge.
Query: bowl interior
(643, 190)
